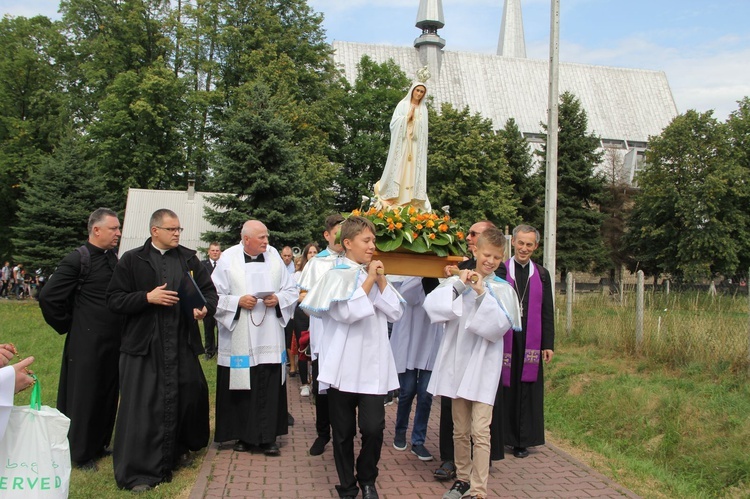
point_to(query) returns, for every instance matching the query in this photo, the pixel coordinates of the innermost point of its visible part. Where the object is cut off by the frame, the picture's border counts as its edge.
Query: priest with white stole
(256, 299)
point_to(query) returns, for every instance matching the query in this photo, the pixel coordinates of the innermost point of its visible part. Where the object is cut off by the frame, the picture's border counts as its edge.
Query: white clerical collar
(523, 265)
(251, 256)
(162, 251)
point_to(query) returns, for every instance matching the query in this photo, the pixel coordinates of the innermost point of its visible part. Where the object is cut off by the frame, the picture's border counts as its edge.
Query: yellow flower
(399, 225)
(420, 226)
(412, 210)
(356, 213)
(430, 224)
(389, 220)
(413, 219)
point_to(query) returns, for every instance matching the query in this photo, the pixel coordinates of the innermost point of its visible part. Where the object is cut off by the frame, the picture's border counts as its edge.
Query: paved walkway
(547, 472)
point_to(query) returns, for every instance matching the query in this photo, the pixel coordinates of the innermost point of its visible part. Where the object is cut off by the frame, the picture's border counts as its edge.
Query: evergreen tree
(262, 172)
(31, 109)
(467, 169)
(58, 198)
(579, 190)
(527, 187)
(688, 215)
(368, 109)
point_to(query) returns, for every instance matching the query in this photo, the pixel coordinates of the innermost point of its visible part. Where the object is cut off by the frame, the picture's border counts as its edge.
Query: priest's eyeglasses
(171, 229)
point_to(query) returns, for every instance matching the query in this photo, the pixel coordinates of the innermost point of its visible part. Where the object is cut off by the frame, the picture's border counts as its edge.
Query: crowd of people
(478, 339)
(16, 283)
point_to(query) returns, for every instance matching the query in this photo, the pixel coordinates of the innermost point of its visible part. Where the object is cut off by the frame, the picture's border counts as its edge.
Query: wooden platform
(415, 264)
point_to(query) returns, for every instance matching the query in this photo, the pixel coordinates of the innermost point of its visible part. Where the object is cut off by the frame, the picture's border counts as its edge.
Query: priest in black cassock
(527, 351)
(163, 411)
(73, 302)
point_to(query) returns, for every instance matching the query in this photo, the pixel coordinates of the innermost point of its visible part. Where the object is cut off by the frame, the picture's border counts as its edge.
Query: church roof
(622, 104)
(188, 205)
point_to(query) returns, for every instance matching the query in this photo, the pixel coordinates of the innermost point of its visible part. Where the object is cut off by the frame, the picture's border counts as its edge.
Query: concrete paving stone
(547, 472)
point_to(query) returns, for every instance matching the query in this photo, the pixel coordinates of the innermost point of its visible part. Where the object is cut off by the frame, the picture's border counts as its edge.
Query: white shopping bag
(34, 453)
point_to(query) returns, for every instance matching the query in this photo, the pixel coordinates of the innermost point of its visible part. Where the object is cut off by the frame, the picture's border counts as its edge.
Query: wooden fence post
(569, 292)
(639, 313)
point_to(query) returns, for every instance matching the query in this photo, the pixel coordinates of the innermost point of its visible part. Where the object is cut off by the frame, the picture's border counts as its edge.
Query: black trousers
(347, 410)
(322, 412)
(209, 332)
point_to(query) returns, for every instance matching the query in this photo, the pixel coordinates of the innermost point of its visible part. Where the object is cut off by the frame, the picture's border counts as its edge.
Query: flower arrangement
(409, 228)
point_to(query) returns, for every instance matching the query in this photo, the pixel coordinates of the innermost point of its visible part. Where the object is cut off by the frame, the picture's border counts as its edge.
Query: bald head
(475, 231)
(254, 237)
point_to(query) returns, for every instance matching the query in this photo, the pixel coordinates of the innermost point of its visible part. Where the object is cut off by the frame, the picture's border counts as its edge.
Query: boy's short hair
(333, 220)
(353, 226)
(492, 236)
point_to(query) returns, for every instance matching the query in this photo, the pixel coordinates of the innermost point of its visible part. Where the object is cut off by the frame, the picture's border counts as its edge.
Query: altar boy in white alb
(257, 296)
(469, 361)
(356, 362)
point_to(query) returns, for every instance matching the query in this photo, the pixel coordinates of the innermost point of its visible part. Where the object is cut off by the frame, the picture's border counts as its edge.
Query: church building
(624, 106)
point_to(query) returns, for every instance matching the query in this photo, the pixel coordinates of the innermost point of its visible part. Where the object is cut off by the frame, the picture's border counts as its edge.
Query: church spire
(429, 44)
(511, 43)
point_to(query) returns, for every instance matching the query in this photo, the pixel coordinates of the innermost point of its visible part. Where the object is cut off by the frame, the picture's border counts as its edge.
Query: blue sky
(702, 45)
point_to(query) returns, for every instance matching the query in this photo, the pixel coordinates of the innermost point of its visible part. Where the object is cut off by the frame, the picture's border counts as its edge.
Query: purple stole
(533, 316)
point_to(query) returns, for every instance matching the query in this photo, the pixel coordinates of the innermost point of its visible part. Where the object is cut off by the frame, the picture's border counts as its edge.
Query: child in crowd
(477, 309)
(312, 272)
(355, 302)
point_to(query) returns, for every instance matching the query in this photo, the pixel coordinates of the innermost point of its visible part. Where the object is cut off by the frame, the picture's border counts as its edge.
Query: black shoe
(270, 449)
(209, 355)
(293, 374)
(369, 492)
(241, 446)
(289, 419)
(319, 446)
(446, 471)
(520, 452)
(105, 452)
(89, 465)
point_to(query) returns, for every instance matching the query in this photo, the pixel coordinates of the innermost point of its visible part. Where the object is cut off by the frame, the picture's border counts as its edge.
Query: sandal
(446, 471)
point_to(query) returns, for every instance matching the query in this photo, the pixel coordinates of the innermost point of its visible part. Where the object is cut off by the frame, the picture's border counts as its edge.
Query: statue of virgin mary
(404, 179)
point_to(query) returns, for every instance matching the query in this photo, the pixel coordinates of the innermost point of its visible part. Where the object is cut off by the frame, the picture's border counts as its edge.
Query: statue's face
(418, 93)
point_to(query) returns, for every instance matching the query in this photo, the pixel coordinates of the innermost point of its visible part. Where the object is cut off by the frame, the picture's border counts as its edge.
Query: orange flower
(389, 220)
(414, 235)
(446, 217)
(380, 214)
(391, 226)
(432, 236)
(412, 210)
(430, 224)
(413, 219)
(460, 235)
(434, 216)
(372, 210)
(443, 228)
(420, 226)
(399, 225)
(356, 213)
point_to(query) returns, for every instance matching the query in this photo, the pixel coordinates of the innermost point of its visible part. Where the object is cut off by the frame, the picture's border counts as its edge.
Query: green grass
(663, 425)
(671, 421)
(21, 323)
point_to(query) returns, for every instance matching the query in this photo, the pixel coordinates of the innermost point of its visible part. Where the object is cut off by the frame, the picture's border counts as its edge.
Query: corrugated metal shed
(189, 206)
(622, 104)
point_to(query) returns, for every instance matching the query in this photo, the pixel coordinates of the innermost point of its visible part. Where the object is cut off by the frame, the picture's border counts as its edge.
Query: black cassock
(88, 387)
(524, 402)
(164, 395)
